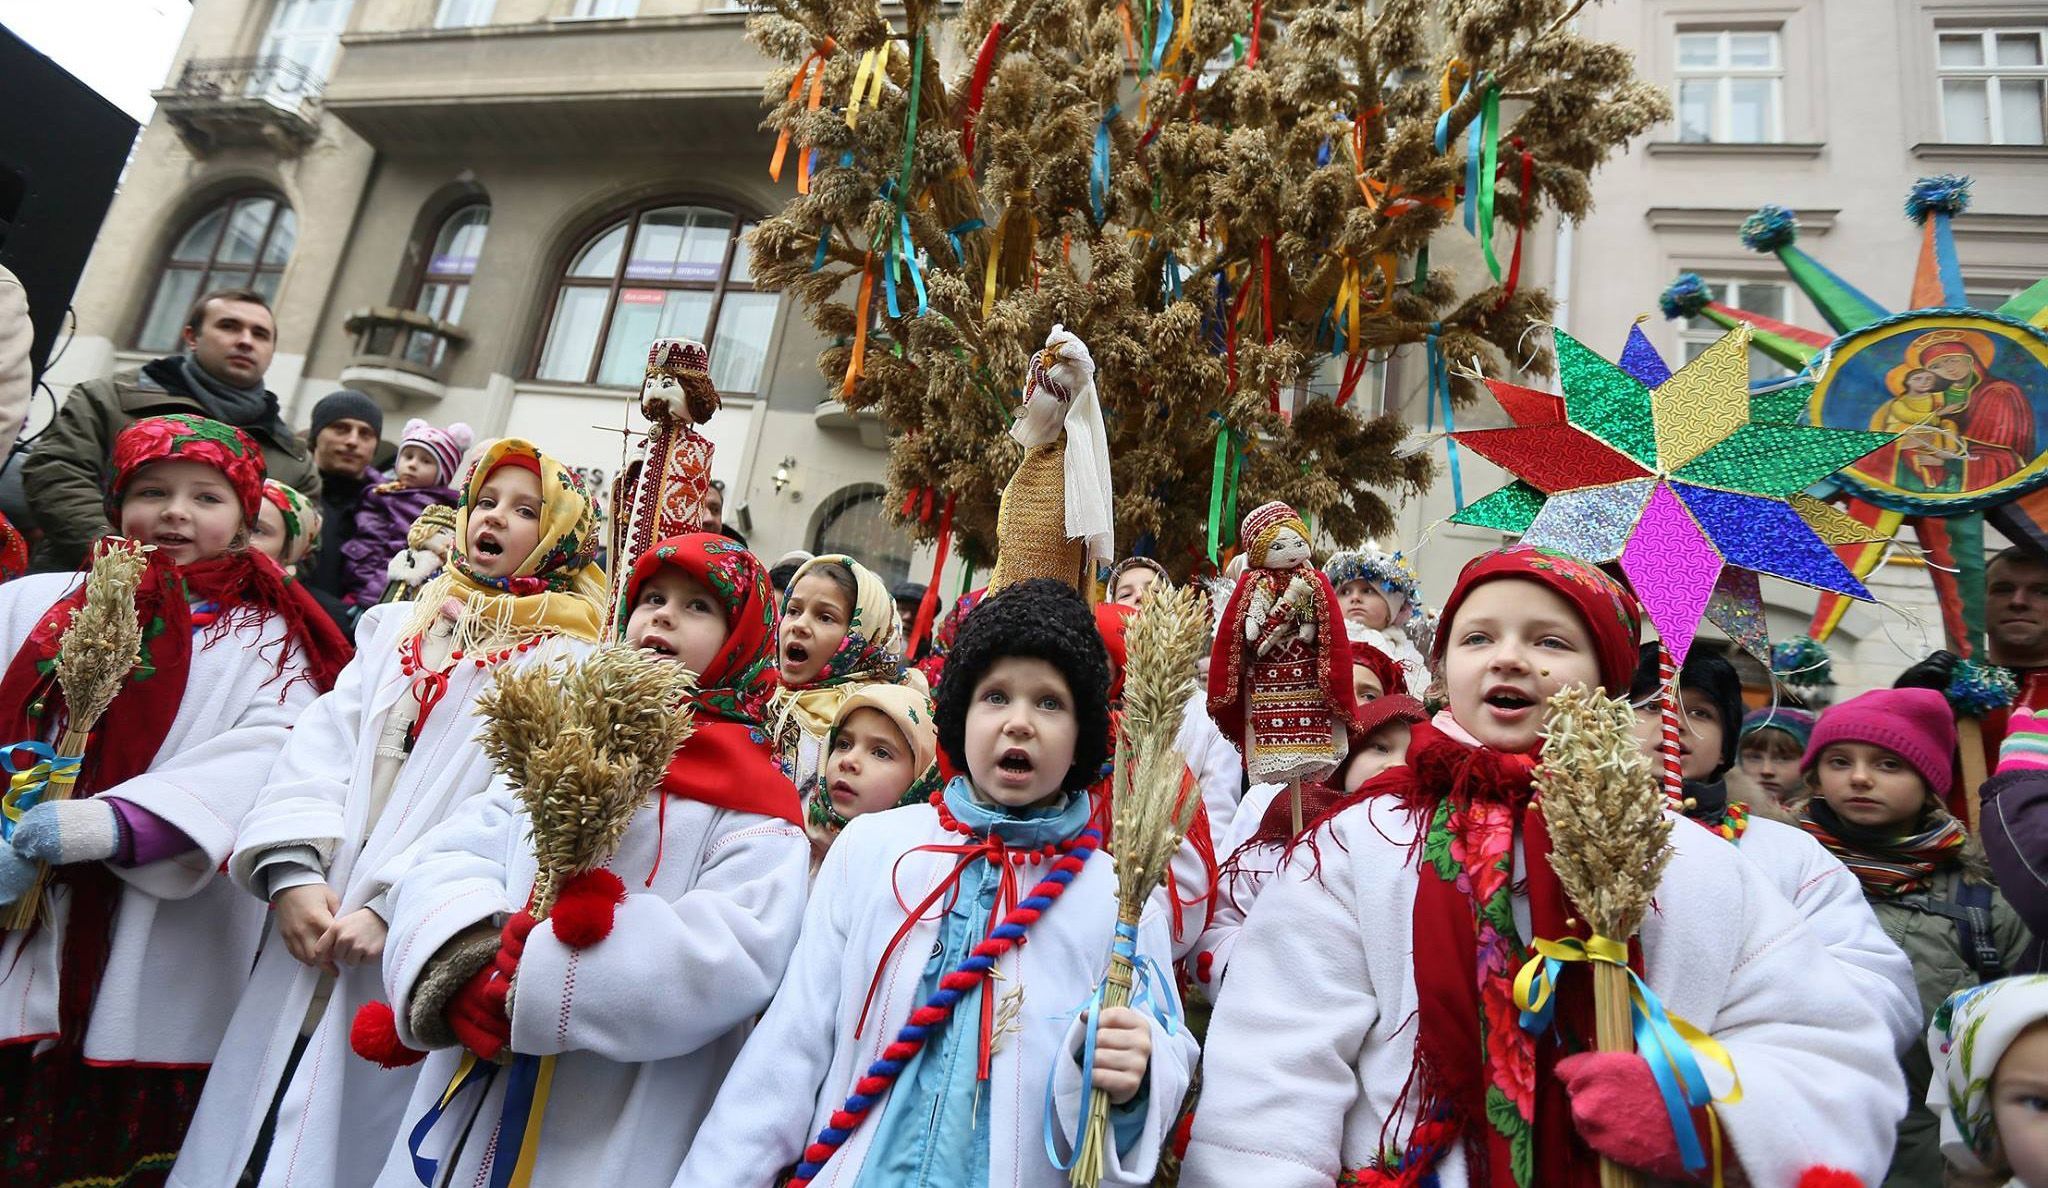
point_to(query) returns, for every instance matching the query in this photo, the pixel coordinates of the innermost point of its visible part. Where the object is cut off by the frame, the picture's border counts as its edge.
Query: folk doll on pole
(1055, 520)
(1280, 677)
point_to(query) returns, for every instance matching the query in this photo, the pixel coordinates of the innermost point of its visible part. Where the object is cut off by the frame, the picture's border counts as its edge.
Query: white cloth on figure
(1245, 872)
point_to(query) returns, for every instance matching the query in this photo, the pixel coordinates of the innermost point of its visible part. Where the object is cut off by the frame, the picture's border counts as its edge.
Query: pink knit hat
(446, 445)
(1917, 725)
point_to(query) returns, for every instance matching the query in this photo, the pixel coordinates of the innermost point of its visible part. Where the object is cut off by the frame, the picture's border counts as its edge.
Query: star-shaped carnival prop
(1693, 488)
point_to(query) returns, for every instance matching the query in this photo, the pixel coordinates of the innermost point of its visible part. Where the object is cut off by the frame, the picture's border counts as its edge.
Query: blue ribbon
(1098, 170)
(1172, 269)
(521, 1079)
(1440, 394)
(902, 255)
(1443, 123)
(954, 233)
(1473, 150)
(1946, 264)
(824, 242)
(27, 784)
(470, 1072)
(1145, 977)
(1165, 33)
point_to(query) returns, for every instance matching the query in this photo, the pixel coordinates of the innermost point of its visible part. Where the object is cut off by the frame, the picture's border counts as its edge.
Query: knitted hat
(1042, 618)
(1967, 1039)
(346, 404)
(1383, 666)
(1914, 724)
(1609, 612)
(1796, 722)
(1395, 707)
(908, 592)
(1704, 672)
(446, 445)
(1262, 524)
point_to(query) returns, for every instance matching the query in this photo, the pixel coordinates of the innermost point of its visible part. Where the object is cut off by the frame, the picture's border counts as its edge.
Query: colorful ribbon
(873, 66)
(1098, 169)
(1440, 396)
(1216, 488)
(977, 87)
(796, 87)
(1148, 996)
(1671, 1046)
(1482, 165)
(529, 1081)
(26, 786)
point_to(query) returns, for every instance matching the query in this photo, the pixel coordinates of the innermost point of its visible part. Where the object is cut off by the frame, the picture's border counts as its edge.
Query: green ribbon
(1488, 133)
(1216, 474)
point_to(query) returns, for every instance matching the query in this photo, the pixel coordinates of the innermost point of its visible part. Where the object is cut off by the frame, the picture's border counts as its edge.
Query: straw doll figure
(1055, 519)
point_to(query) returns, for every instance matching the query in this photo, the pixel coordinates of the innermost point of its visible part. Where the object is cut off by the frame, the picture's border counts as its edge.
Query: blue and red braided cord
(930, 1017)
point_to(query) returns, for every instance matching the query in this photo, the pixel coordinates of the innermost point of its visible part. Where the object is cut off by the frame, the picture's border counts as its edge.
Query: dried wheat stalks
(1150, 807)
(1609, 844)
(584, 744)
(94, 657)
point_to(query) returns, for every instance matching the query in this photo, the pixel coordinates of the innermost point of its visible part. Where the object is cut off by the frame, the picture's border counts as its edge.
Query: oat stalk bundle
(584, 744)
(1609, 844)
(1151, 807)
(94, 657)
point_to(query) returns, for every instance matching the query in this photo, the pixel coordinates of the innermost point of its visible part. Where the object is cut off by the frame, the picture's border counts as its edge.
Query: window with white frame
(463, 14)
(1988, 294)
(605, 8)
(1992, 83)
(1731, 86)
(1767, 299)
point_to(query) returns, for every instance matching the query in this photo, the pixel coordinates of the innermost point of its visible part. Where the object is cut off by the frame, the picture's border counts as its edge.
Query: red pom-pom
(583, 912)
(1828, 1177)
(374, 1036)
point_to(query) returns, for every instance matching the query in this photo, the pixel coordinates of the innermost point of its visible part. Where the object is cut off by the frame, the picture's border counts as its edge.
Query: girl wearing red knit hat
(1879, 766)
(1372, 1006)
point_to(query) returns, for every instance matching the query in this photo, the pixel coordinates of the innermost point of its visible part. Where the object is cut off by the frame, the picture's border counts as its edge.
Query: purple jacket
(2015, 825)
(383, 518)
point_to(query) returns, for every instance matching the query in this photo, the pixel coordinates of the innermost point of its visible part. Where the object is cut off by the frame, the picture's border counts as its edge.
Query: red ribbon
(984, 63)
(1515, 262)
(1251, 58)
(929, 608)
(1266, 299)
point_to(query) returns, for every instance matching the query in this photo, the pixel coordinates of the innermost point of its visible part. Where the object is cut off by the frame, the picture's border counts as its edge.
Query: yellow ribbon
(51, 778)
(872, 63)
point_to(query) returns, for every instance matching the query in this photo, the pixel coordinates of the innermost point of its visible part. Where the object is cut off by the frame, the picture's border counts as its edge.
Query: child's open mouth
(1015, 762)
(171, 540)
(1508, 700)
(795, 653)
(657, 645)
(487, 546)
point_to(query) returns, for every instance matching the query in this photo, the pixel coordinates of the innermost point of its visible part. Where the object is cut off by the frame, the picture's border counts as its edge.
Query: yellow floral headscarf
(872, 651)
(558, 589)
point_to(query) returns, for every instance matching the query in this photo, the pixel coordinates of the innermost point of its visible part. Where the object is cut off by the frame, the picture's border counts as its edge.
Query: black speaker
(62, 147)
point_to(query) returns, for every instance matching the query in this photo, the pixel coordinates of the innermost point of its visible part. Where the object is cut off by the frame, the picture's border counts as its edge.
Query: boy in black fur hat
(915, 932)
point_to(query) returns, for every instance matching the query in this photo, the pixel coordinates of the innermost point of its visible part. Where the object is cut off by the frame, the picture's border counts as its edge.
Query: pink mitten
(1618, 1111)
(2026, 743)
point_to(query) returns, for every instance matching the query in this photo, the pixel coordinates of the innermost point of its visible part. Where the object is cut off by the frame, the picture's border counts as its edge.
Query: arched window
(243, 242)
(856, 522)
(661, 272)
(444, 283)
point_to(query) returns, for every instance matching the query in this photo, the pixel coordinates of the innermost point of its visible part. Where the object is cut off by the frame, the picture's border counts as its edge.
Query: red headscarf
(1610, 612)
(1112, 620)
(726, 761)
(1383, 666)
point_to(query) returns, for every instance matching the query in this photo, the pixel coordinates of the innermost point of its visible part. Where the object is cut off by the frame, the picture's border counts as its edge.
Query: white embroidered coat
(803, 1059)
(340, 1114)
(183, 936)
(1319, 1026)
(644, 1023)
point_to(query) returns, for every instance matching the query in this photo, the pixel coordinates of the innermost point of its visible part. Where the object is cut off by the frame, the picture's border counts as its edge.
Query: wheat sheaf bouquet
(97, 651)
(584, 744)
(1151, 805)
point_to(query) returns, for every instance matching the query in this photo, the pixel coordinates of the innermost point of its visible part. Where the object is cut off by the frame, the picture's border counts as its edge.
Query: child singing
(115, 1000)
(371, 766)
(1371, 1008)
(642, 982)
(838, 631)
(916, 920)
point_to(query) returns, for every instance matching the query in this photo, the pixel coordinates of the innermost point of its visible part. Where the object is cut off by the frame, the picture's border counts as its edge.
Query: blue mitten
(61, 832)
(17, 874)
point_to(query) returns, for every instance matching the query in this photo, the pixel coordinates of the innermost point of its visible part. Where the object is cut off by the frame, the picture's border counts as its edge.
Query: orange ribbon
(796, 88)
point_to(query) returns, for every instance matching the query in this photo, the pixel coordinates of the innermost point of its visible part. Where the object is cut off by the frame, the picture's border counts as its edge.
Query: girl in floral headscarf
(647, 973)
(287, 525)
(837, 632)
(369, 769)
(115, 999)
(883, 753)
(1372, 1002)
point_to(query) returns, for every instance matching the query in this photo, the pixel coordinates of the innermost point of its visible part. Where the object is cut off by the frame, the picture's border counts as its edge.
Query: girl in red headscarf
(643, 980)
(114, 1001)
(1370, 1033)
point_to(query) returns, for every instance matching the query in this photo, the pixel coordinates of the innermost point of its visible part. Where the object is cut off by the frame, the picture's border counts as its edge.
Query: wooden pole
(1294, 805)
(1970, 741)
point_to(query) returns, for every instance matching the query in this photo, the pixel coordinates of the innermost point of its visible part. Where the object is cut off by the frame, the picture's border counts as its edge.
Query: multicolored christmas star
(1679, 476)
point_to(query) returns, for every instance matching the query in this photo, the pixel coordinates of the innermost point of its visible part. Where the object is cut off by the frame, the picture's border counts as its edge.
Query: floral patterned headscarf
(740, 679)
(183, 437)
(301, 519)
(558, 588)
(1970, 1034)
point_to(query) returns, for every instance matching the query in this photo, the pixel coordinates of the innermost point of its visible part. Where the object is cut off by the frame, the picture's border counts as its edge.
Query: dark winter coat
(383, 517)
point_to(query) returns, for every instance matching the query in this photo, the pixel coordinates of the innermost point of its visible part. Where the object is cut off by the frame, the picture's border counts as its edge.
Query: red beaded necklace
(430, 685)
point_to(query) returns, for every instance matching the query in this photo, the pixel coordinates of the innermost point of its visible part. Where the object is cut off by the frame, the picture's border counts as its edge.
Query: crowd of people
(287, 932)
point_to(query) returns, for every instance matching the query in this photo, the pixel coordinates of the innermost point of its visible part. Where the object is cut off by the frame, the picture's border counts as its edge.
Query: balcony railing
(401, 352)
(270, 101)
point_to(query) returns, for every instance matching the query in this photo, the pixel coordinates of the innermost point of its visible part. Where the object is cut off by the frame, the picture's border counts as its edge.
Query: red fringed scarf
(237, 588)
(1481, 1080)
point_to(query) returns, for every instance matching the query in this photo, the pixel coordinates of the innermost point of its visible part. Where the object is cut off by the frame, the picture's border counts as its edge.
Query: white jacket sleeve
(1217, 766)
(761, 1122)
(672, 976)
(1174, 1054)
(304, 796)
(457, 879)
(1287, 1046)
(1831, 901)
(207, 790)
(1821, 1083)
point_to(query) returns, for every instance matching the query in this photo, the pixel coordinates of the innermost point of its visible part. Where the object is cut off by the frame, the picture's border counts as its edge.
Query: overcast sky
(120, 48)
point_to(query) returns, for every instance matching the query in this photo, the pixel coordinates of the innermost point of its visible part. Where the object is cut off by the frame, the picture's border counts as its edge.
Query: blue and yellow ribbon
(29, 786)
(1671, 1046)
(1148, 994)
(529, 1081)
